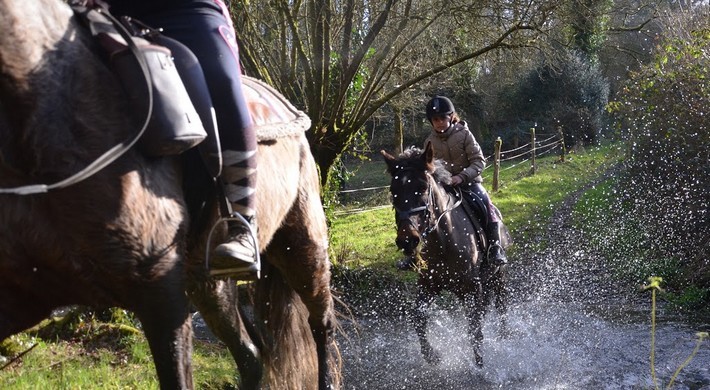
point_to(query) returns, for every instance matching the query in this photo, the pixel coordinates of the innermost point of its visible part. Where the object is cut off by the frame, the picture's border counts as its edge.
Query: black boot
(496, 253)
(238, 258)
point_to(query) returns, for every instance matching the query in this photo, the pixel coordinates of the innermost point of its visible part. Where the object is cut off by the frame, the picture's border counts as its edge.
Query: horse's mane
(412, 158)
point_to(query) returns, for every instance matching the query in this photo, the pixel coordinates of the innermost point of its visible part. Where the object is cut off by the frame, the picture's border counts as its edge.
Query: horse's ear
(428, 154)
(389, 159)
(386, 155)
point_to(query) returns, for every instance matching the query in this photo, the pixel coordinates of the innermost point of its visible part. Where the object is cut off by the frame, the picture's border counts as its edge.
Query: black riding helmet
(439, 105)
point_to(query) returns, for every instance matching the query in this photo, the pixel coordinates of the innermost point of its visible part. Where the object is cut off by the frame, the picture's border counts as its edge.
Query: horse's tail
(289, 351)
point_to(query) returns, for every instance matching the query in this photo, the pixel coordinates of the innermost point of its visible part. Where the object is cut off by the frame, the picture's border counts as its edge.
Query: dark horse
(430, 213)
(124, 237)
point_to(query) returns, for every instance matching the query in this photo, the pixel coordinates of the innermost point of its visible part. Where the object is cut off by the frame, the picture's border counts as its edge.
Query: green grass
(111, 364)
(613, 228)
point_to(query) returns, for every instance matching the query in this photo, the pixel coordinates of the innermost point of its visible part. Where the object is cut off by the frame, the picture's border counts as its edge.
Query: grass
(614, 229)
(108, 362)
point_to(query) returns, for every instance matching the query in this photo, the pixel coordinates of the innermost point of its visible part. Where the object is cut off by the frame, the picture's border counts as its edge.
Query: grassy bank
(102, 358)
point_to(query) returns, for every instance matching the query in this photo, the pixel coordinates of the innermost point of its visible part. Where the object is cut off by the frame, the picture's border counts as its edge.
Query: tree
(343, 61)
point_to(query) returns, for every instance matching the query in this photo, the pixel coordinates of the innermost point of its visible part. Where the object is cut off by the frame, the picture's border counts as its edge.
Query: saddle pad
(273, 116)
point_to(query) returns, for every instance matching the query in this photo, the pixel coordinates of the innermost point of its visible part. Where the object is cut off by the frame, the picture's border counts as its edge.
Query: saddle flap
(273, 116)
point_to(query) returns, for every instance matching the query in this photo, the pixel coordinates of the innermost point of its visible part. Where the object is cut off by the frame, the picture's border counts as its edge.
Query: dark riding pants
(205, 27)
(207, 30)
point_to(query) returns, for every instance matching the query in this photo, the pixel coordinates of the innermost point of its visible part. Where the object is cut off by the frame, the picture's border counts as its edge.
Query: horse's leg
(495, 290)
(419, 320)
(475, 307)
(501, 300)
(218, 303)
(299, 247)
(303, 264)
(164, 315)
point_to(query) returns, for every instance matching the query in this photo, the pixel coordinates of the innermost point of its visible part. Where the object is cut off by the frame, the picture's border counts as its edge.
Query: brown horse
(122, 236)
(429, 212)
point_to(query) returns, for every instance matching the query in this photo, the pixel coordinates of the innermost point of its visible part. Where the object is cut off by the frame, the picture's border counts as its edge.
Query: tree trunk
(398, 131)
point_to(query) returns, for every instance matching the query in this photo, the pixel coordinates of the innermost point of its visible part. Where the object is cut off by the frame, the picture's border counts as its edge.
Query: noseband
(405, 215)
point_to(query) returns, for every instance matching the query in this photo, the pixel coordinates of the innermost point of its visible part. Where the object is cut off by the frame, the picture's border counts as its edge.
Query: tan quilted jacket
(459, 149)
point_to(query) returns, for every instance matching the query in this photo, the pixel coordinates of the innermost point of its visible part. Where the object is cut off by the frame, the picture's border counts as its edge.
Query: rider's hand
(456, 180)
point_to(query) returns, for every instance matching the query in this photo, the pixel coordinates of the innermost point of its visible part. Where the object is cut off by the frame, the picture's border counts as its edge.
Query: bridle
(405, 215)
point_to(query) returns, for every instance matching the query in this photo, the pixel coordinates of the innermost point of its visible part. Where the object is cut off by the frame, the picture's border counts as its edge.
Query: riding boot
(496, 253)
(238, 257)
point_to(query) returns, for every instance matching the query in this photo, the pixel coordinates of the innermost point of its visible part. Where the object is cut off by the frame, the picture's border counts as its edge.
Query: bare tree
(341, 61)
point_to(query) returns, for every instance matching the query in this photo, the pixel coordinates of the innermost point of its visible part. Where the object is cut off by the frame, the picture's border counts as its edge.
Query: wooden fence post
(532, 150)
(496, 164)
(562, 140)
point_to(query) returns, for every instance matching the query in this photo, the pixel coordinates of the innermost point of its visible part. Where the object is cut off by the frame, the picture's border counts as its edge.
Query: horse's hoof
(432, 357)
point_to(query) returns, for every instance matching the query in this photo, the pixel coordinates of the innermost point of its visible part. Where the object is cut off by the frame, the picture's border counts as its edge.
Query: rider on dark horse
(454, 144)
(205, 27)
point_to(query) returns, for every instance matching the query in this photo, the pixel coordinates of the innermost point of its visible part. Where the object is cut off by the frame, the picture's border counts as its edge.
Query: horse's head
(411, 191)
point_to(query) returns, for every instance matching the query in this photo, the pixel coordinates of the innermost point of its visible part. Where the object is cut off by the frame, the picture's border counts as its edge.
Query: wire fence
(527, 153)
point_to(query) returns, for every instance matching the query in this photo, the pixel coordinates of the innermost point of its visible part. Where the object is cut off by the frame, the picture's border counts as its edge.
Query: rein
(117, 151)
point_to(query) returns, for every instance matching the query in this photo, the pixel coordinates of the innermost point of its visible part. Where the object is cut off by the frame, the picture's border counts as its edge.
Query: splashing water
(552, 346)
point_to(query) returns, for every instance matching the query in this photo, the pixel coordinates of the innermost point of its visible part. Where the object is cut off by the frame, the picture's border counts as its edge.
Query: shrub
(571, 94)
(663, 111)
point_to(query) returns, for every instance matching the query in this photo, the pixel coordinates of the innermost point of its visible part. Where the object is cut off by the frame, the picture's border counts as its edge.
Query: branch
(634, 28)
(498, 43)
(16, 358)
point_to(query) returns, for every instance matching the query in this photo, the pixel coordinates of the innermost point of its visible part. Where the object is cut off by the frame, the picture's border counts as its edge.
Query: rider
(205, 27)
(453, 142)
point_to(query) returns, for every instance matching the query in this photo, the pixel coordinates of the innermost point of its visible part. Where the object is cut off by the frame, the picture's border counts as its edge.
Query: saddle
(477, 211)
(478, 215)
(272, 114)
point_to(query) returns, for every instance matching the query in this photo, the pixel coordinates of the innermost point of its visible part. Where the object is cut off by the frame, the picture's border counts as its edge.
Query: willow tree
(341, 61)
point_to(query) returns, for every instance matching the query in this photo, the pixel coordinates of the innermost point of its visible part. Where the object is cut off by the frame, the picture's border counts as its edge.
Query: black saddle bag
(174, 124)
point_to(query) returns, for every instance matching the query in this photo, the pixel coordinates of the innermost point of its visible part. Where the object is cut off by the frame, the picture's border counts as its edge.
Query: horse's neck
(442, 201)
(59, 99)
